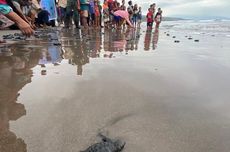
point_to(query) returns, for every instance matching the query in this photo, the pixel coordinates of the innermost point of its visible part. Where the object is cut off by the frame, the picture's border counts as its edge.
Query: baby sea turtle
(106, 145)
(176, 41)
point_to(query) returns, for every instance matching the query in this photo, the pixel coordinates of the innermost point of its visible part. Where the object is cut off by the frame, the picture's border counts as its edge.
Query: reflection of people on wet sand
(147, 39)
(130, 37)
(80, 58)
(155, 38)
(137, 37)
(52, 55)
(95, 46)
(15, 73)
(108, 54)
(9, 108)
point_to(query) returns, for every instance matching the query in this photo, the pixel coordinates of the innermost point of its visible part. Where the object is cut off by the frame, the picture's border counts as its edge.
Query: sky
(189, 8)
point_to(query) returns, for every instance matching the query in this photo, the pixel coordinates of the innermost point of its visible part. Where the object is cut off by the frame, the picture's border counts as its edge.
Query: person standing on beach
(106, 14)
(149, 17)
(73, 6)
(97, 14)
(135, 15)
(139, 17)
(84, 12)
(62, 4)
(19, 19)
(123, 5)
(153, 8)
(91, 18)
(158, 17)
(130, 10)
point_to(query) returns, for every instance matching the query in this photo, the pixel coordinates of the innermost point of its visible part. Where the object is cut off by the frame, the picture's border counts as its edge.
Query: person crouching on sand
(16, 16)
(120, 16)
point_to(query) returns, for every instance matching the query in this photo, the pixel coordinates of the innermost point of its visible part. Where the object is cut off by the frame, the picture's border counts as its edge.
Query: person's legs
(68, 16)
(84, 18)
(76, 18)
(92, 19)
(62, 14)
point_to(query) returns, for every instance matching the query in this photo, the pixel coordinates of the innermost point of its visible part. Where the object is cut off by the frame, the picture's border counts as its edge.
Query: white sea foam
(197, 27)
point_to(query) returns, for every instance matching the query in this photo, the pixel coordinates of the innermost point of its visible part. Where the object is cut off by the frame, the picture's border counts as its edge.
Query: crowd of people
(28, 15)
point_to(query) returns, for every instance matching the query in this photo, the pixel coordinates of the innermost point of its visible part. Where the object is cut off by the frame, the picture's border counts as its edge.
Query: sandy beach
(138, 85)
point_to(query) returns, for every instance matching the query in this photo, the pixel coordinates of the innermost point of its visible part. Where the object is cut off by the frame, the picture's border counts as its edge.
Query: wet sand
(141, 87)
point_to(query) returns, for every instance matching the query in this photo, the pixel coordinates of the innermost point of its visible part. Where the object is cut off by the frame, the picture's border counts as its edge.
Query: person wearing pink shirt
(122, 15)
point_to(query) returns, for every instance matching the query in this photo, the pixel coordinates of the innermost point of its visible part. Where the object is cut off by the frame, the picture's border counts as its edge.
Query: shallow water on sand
(136, 85)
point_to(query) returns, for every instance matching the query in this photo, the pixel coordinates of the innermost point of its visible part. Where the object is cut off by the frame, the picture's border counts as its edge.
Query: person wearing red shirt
(149, 19)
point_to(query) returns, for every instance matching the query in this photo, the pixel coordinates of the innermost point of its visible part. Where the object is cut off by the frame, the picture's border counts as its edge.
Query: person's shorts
(5, 9)
(92, 16)
(150, 24)
(84, 7)
(117, 18)
(84, 13)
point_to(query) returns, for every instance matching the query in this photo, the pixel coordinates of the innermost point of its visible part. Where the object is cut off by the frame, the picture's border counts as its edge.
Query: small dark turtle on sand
(168, 34)
(174, 37)
(15, 36)
(106, 145)
(18, 34)
(176, 41)
(9, 36)
(196, 40)
(190, 38)
(56, 43)
(19, 38)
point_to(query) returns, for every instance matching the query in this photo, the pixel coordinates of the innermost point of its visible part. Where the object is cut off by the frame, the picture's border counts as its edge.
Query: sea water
(212, 27)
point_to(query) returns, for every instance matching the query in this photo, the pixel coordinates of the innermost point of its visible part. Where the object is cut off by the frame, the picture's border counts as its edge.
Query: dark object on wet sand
(168, 34)
(174, 37)
(196, 40)
(56, 43)
(190, 38)
(19, 38)
(176, 41)
(43, 72)
(106, 145)
(9, 36)
(15, 36)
